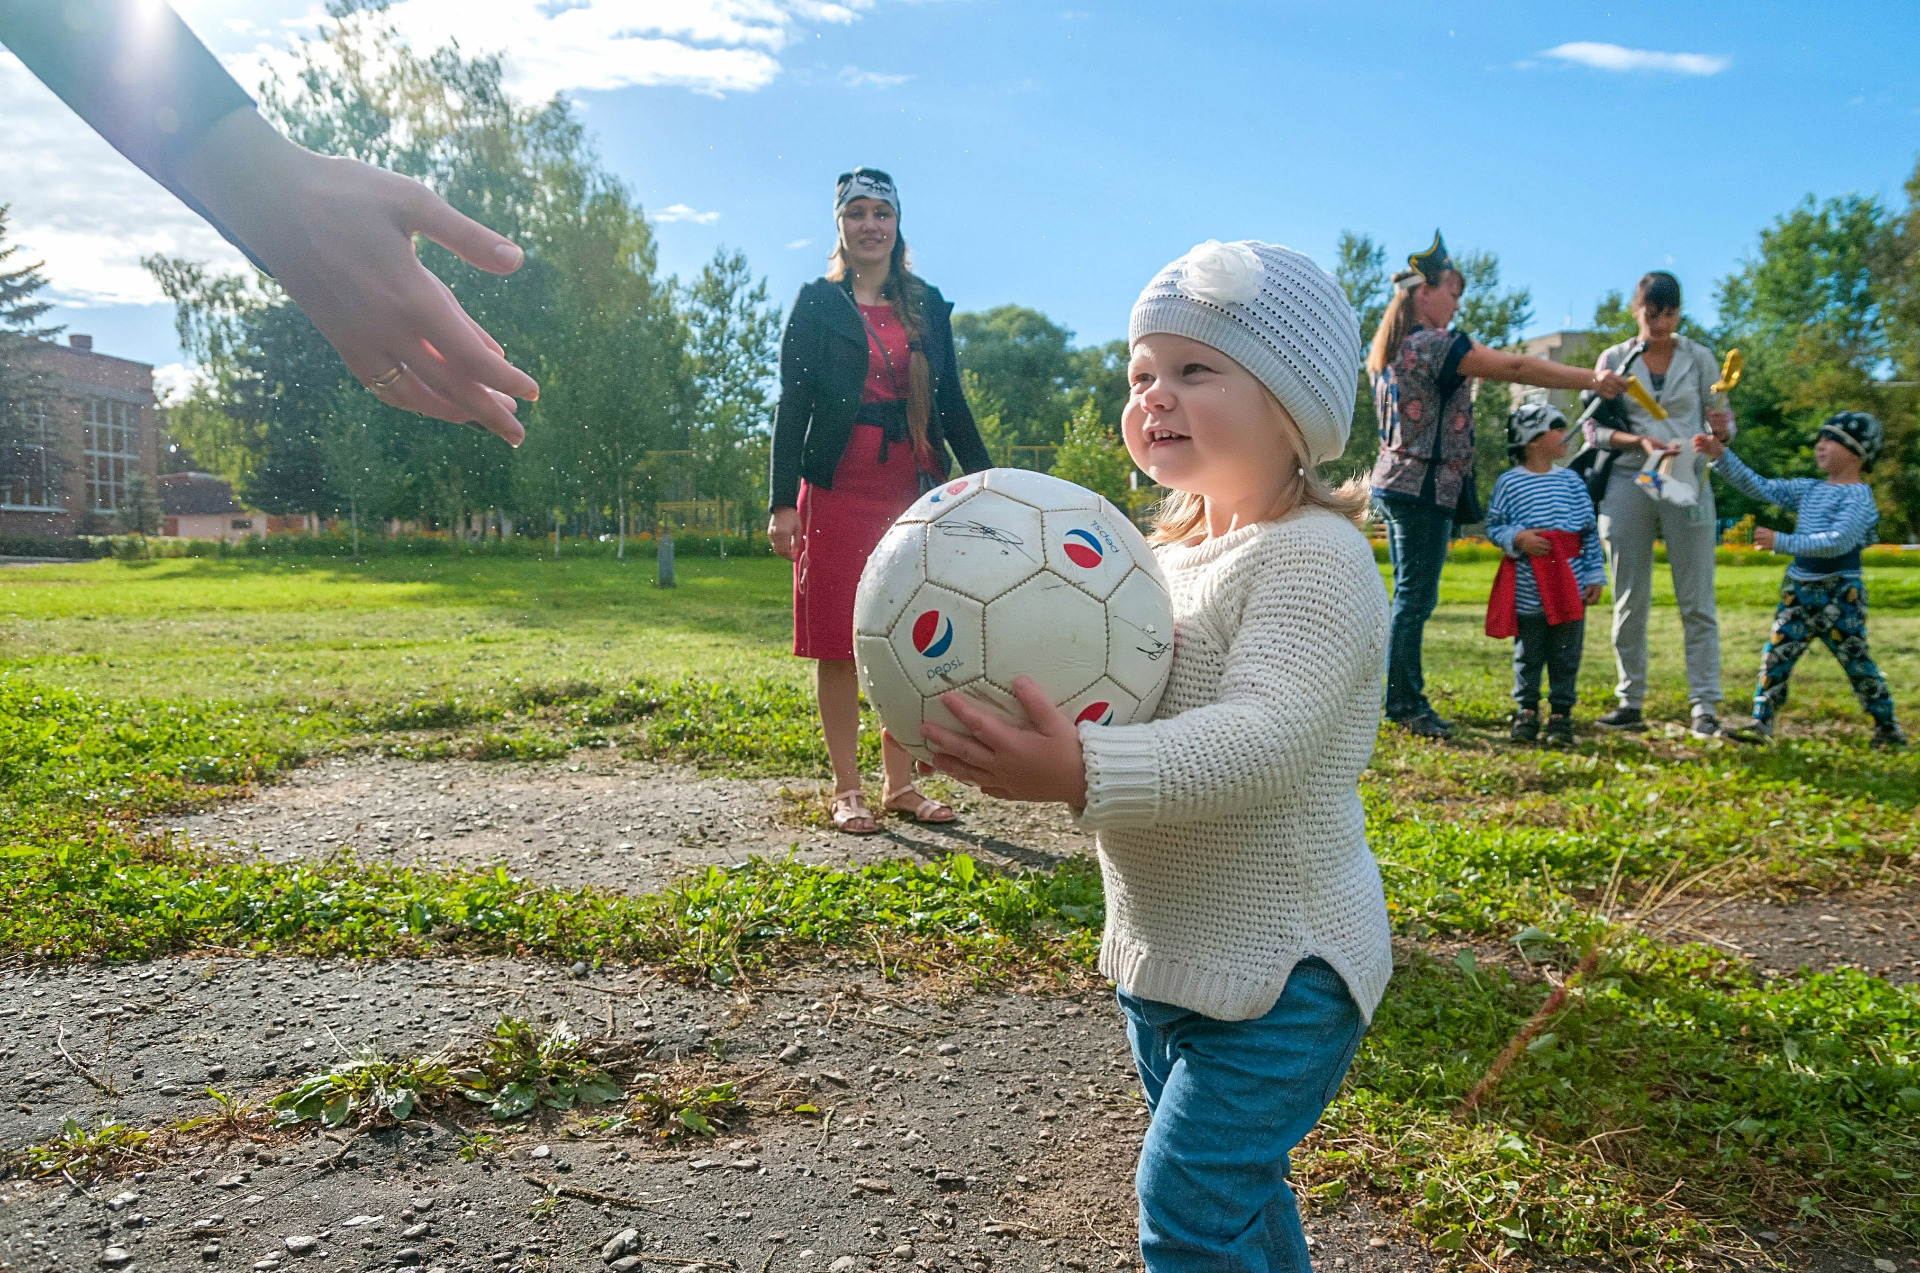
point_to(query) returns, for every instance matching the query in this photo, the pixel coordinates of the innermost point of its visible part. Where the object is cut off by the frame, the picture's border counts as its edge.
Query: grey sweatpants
(1630, 520)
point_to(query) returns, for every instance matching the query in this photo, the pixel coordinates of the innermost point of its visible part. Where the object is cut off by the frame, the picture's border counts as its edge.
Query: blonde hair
(1183, 514)
(1398, 321)
(907, 293)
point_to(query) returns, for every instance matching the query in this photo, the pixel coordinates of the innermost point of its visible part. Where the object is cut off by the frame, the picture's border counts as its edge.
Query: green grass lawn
(1724, 1098)
(294, 630)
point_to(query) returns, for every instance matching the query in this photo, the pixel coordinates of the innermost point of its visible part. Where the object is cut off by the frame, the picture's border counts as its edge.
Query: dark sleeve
(795, 408)
(956, 417)
(1450, 378)
(134, 71)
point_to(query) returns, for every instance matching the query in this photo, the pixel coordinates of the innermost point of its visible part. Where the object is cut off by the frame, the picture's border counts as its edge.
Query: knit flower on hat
(1222, 273)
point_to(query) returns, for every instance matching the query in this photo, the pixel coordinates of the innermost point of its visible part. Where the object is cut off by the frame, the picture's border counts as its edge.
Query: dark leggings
(1552, 651)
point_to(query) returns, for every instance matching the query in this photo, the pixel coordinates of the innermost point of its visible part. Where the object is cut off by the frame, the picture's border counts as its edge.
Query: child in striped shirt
(1823, 594)
(1543, 517)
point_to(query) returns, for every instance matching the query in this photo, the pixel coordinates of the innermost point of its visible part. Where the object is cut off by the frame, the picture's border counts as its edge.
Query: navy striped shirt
(1835, 521)
(1554, 500)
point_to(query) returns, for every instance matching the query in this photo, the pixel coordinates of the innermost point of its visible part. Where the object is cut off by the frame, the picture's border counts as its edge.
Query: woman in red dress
(871, 414)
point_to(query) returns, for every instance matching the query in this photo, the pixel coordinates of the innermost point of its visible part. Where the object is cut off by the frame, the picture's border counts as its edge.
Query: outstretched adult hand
(1037, 761)
(337, 235)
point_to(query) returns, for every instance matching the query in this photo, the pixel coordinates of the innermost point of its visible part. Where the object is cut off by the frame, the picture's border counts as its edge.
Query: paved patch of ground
(631, 826)
(990, 1132)
(1876, 930)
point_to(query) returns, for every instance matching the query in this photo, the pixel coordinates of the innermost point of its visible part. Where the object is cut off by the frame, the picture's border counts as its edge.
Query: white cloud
(797, 244)
(558, 46)
(83, 209)
(174, 381)
(684, 212)
(854, 77)
(1616, 57)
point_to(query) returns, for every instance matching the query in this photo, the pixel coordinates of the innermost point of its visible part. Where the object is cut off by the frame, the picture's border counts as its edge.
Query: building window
(112, 451)
(27, 468)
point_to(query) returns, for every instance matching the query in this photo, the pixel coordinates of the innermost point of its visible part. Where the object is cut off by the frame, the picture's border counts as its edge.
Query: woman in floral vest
(1422, 371)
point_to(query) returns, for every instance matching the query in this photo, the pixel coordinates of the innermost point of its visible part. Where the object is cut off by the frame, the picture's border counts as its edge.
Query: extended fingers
(957, 745)
(467, 348)
(463, 236)
(1046, 717)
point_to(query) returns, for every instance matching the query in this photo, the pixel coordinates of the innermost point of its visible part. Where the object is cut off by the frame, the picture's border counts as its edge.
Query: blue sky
(1056, 156)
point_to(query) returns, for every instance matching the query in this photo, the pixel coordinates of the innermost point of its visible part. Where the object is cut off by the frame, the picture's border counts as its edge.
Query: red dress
(839, 528)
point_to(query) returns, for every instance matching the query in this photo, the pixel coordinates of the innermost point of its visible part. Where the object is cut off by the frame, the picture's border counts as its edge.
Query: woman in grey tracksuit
(1679, 372)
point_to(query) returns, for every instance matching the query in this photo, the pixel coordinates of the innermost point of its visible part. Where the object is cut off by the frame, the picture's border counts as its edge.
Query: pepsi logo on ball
(951, 488)
(932, 634)
(1098, 713)
(1083, 548)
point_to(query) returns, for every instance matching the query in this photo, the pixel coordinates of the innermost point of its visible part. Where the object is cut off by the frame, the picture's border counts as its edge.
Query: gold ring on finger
(380, 384)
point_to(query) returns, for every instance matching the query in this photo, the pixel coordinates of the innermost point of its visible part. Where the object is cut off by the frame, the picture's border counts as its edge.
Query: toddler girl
(1246, 926)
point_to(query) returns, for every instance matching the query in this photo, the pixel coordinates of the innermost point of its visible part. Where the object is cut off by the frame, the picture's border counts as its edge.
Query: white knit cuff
(1123, 776)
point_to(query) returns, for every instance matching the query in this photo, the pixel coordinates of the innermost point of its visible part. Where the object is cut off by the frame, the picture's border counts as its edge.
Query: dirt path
(612, 823)
(996, 1131)
(1876, 930)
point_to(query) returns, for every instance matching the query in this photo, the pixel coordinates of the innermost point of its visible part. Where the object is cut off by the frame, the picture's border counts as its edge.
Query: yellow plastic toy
(1640, 395)
(1730, 372)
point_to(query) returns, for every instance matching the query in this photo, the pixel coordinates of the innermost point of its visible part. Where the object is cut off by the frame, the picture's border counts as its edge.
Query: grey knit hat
(1276, 313)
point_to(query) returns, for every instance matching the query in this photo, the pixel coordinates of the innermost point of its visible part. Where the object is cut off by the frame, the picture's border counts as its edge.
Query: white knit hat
(1276, 313)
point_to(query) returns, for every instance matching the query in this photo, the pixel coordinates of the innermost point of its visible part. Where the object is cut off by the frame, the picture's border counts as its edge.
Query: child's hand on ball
(1037, 761)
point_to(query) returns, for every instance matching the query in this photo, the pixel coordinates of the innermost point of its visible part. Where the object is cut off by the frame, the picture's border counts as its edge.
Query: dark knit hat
(1858, 432)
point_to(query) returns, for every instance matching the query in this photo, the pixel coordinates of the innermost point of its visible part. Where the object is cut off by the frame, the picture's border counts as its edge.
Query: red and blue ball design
(1083, 548)
(932, 634)
(1098, 713)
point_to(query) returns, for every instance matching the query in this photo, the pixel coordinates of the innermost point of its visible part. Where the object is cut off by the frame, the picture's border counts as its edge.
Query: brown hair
(907, 293)
(1397, 322)
(1181, 515)
(1657, 290)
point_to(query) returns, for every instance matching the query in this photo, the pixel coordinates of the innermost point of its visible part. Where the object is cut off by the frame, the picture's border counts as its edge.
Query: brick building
(71, 476)
(1573, 348)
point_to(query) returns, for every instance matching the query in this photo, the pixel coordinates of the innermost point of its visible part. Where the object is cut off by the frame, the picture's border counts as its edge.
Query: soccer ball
(1008, 572)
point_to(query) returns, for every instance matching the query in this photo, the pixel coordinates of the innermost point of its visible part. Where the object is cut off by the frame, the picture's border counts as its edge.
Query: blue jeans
(1417, 536)
(1229, 1099)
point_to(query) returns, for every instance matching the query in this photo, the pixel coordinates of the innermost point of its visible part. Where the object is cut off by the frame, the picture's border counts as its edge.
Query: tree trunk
(620, 553)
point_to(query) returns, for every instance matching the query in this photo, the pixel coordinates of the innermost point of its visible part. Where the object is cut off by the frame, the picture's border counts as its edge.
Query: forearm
(1501, 528)
(1771, 490)
(1854, 531)
(783, 480)
(1520, 369)
(130, 68)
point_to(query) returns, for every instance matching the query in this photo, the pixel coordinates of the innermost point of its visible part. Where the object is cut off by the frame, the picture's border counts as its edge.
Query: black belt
(889, 417)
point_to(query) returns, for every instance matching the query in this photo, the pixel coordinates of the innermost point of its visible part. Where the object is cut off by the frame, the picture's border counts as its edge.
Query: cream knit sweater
(1231, 835)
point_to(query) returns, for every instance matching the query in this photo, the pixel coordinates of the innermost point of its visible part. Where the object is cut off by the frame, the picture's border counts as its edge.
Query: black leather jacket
(823, 373)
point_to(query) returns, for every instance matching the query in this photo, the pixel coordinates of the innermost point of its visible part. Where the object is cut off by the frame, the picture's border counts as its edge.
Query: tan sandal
(849, 810)
(919, 807)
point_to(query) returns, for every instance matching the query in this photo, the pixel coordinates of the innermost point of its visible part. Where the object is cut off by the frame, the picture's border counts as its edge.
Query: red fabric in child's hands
(1559, 590)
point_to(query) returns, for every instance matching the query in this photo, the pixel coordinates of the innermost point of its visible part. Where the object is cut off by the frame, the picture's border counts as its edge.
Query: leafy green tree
(1818, 315)
(1494, 316)
(140, 509)
(1092, 455)
(30, 454)
(1100, 373)
(733, 338)
(989, 416)
(1361, 270)
(1025, 360)
(586, 309)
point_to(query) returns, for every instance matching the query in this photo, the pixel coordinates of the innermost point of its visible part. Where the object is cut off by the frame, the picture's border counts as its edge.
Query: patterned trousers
(1833, 609)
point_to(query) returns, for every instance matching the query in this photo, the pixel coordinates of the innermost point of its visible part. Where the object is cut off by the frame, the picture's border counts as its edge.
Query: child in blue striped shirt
(1543, 517)
(1823, 594)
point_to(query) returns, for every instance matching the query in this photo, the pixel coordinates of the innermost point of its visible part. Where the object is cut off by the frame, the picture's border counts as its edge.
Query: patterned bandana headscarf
(865, 183)
(1427, 267)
